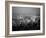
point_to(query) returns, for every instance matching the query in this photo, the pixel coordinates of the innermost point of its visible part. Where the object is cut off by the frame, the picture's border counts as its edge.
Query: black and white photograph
(25, 18)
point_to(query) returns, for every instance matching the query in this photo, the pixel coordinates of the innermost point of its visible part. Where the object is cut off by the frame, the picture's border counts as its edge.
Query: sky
(25, 11)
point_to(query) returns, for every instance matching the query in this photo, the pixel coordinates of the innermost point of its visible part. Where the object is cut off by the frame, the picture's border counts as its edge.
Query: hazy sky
(24, 11)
